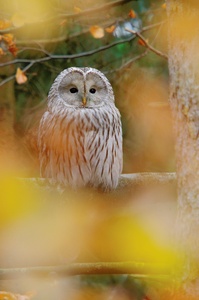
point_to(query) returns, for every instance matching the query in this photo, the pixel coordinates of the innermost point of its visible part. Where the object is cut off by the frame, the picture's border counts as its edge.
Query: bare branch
(152, 26)
(69, 56)
(146, 44)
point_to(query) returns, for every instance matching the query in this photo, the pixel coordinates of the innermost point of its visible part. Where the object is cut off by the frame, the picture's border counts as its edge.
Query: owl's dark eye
(73, 90)
(92, 91)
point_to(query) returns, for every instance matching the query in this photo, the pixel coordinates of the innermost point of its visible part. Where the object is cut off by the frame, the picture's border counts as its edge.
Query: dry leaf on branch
(20, 76)
(110, 29)
(97, 31)
(132, 14)
(4, 24)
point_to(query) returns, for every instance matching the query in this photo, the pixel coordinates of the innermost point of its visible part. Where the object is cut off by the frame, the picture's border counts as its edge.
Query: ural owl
(80, 135)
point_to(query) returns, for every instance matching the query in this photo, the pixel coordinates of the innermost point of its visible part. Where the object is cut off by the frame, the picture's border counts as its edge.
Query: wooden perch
(136, 269)
(127, 181)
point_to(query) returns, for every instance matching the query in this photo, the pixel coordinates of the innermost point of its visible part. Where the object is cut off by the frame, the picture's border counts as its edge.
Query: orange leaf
(1, 52)
(132, 14)
(5, 24)
(8, 38)
(17, 20)
(110, 29)
(13, 49)
(164, 5)
(20, 76)
(97, 31)
(141, 42)
(63, 22)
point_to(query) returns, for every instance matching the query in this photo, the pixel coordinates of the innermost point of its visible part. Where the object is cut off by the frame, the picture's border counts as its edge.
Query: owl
(80, 134)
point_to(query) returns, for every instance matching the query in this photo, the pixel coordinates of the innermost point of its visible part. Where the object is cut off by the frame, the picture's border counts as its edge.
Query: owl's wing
(43, 141)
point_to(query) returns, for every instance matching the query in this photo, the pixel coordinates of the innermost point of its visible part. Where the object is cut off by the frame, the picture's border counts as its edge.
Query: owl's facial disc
(80, 90)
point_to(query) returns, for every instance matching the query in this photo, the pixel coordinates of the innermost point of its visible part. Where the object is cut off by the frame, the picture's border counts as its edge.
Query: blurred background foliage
(63, 28)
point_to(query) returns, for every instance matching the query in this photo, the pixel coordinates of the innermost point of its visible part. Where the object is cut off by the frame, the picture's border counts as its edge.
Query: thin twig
(152, 26)
(130, 61)
(146, 44)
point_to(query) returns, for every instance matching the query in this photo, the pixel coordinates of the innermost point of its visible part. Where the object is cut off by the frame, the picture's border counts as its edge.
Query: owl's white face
(83, 88)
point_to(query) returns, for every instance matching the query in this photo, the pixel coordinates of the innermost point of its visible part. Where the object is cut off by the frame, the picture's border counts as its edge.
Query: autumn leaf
(110, 29)
(97, 31)
(13, 49)
(5, 24)
(63, 22)
(132, 14)
(17, 20)
(2, 52)
(20, 76)
(8, 38)
(142, 42)
(77, 9)
(164, 5)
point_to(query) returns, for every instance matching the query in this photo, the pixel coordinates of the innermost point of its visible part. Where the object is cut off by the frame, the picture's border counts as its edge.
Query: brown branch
(70, 56)
(136, 269)
(146, 44)
(91, 52)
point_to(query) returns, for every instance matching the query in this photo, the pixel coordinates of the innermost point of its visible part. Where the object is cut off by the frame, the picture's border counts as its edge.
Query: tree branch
(126, 181)
(136, 269)
(13, 76)
(146, 44)
(128, 63)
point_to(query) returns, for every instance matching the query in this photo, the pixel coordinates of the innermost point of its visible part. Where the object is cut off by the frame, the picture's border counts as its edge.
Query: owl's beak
(84, 101)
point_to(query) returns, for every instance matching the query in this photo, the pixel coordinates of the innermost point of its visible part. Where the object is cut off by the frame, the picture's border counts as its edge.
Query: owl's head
(80, 88)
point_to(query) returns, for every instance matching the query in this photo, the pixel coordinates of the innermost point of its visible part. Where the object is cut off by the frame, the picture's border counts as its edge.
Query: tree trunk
(184, 101)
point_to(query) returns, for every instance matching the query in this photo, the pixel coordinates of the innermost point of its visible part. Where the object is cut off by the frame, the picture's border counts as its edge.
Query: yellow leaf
(17, 20)
(132, 14)
(20, 76)
(110, 29)
(97, 31)
(77, 9)
(1, 52)
(5, 24)
(164, 5)
(8, 38)
(11, 296)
